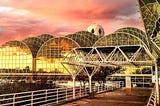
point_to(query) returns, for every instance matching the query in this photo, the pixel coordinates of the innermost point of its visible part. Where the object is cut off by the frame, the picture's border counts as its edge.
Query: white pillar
(157, 83)
(74, 84)
(90, 84)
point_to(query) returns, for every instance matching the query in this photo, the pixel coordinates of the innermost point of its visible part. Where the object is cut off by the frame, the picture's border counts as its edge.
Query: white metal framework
(92, 58)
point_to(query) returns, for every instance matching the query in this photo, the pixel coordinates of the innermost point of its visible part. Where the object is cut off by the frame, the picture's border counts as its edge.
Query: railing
(152, 99)
(52, 96)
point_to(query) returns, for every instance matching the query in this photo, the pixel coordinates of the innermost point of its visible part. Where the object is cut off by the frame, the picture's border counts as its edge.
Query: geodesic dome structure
(96, 29)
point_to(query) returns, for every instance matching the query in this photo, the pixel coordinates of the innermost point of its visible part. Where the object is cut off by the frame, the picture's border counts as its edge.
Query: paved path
(139, 97)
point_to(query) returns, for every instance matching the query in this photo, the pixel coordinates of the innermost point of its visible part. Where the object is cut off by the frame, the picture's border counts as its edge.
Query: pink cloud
(34, 17)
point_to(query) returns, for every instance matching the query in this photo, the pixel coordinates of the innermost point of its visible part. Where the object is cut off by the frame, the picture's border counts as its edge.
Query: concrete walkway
(139, 97)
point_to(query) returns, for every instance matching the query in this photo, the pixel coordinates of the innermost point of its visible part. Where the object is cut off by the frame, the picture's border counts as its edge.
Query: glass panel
(15, 55)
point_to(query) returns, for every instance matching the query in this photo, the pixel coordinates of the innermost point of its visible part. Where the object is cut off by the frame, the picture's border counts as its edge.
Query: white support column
(157, 83)
(90, 83)
(74, 84)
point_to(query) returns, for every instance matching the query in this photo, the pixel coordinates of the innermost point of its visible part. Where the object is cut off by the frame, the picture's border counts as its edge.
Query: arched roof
(150, 12)
(150, 16)
(89, 35)
(80, 39)
(136, 32)
(53, 52)
(119, 38)
(16, 43)
(45, 37)
(83, 38)
(34, 44)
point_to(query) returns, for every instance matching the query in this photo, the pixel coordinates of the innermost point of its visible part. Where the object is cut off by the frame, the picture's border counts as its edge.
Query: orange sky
(23, 18)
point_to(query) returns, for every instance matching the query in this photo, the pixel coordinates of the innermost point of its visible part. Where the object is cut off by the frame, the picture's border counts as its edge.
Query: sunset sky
(20, 19)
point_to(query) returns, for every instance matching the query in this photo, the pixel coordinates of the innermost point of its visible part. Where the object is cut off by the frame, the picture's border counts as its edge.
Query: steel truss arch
(150, 16)
(136, 32)
(119, 39)
(52, 52)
